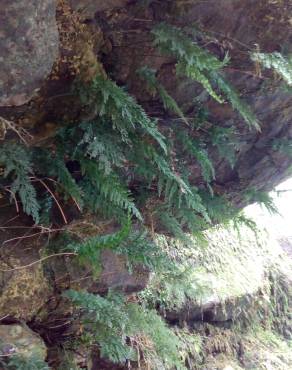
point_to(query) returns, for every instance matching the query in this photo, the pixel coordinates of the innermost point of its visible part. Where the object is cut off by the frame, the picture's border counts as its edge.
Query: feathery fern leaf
(262, 198)
(225, 142)
(57, 169)
(120, 108)
(110, 187)
(237, 104)
(155, 88)
(201, 66)
(276, 61)
(116, 325)
(17, 164)
(196, 149)
(89, 250)
(193, 61)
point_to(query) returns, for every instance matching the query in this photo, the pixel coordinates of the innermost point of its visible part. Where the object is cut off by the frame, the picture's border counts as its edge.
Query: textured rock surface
(19, 339)
(28, 48)
(114, 274)
(23, 290)
(88, 8)
(234, 27)
(231, 274)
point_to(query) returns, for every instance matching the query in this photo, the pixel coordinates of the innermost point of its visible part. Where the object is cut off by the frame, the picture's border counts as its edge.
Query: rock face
(114, 274)
(23, 290)
(28, 48)
(228, 26)
(89, 8)
(230, 275)
(20, 340)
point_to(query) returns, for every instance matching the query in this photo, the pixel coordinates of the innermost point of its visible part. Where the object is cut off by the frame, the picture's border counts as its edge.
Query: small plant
(155, 88)
(18, 362)
(126, 331)
(283, 146)
(276, 61)
(16, 160)
(201, 66)
(262, 198)
(225, 142)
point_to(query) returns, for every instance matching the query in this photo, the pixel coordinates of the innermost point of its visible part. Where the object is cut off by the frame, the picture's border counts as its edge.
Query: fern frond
(115, 324)
(193, 61)
(56, 168)
(194, 73)
(110, 187)
(89, 251)
(17, 165)
(102, 145)
(276, 61)
(196, 149)
(27, 194)
(156, 88)
(262, 198)
(225, 142)
(237, 104)
(201, 66)
(173, 40)
(113, 103)
(22, 362)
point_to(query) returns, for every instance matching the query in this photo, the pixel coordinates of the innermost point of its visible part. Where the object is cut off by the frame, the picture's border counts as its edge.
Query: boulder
(20, 340)
(113, 273)
(28, 48)
(22, 292)
(230, 275)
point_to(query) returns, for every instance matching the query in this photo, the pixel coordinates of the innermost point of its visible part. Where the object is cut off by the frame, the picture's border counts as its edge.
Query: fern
(140, 249)
(118, 327)
(156, 88)
(201, 66)
(235, 100)
(17, 163)
(110, 187)
(223, 139)
(57, 168)
(197, 150)
(120, 108)
(89, 250)
(193, 61)
(103, 146)
(263, 198)
(276, 61)
(18, 362)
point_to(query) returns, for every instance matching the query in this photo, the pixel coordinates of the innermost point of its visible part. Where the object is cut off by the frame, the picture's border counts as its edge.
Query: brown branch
(40, 260)
(55, 199)
(14, 198)
(23, 134)
(31, 235)
(74, 200)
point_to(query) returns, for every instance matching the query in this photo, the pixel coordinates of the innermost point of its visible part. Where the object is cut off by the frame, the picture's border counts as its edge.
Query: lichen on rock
(28, 48)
